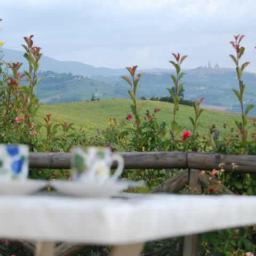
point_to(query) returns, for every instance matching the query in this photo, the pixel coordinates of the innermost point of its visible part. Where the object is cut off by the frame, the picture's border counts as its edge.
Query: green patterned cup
(95, 163)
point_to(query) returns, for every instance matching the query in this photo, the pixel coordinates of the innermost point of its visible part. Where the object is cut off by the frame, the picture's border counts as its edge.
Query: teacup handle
(120, 165)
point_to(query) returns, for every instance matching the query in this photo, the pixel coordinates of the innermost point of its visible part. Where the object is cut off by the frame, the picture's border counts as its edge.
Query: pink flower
(213, 172)
(185, 135)
(18, 119)
(129, 117)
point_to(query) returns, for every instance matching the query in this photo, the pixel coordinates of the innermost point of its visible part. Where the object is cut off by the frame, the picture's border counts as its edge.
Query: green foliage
(176, 92)
(240, 68)
(18, 104)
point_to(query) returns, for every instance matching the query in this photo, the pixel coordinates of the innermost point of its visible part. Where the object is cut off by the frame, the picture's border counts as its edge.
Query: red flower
(176, 56)
(15, 66)
(36, 51)
(132, 70)
(28, 40)
(185, 135)
(157, 110)
(201, 100)
(236, 42)
(129, 117)
(18, 119)
(211, 190)
(12, 82)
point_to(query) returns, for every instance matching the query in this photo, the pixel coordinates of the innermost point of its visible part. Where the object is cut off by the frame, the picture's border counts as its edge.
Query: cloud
(120, 32)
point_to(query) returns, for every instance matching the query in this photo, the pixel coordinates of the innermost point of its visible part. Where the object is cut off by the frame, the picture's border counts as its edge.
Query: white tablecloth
(120, 221)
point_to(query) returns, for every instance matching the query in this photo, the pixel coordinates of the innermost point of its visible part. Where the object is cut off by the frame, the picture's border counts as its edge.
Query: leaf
(239, 125)
(200, 112)
(174, 79)
(249, 108)
(174, 126)
(133, 109)
(238, 72)
(233, 58)
(192, 121)
(242, 87)
(241, 52)
(173, 63)
(237, 93)
(177, 67)
(131, 94)
(244, 65)
(171, 91)
(127, 80)
(183, 58)
(181, 75)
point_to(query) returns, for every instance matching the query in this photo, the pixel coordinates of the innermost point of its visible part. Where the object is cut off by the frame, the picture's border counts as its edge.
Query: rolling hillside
(95, 115)
(215, 85)
(74, 67)
(67, 81)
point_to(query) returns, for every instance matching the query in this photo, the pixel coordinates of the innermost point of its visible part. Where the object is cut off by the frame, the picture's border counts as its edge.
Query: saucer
(93, 188)
(24, 187)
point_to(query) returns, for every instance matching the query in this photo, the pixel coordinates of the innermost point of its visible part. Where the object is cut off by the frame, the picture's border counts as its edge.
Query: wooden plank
(208, 181)
(190, 242)
(45, 249)
(209, 161)
(28, 246)
(127, 250)
(174, 184)
(140, 160)
(158, 160)
(68, 249)
(190, 245)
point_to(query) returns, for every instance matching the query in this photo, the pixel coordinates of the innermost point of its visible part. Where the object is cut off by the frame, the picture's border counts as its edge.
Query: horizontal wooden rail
(158, 160)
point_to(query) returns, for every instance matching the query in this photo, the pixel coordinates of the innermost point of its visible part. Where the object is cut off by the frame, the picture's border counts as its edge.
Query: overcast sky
(117, 33)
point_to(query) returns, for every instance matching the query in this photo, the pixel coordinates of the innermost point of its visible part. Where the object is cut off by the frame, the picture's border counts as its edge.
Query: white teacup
(13, 162)
(95, 163)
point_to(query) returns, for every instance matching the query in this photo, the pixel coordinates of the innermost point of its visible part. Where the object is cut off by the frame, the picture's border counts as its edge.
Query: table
(125, 222)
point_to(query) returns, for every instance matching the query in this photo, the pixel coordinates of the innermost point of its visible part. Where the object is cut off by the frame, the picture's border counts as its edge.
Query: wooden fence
(192, 162)
(158, 160)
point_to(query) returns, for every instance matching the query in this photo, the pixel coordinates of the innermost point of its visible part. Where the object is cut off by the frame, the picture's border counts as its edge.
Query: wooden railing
(158, 160)
(192, 162)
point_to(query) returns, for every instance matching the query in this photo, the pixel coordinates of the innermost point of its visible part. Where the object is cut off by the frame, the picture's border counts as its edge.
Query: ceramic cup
(13, 162)
(95, 163)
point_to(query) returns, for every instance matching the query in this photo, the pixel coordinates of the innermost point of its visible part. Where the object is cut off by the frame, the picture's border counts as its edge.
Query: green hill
(95, 114)
(69, 81)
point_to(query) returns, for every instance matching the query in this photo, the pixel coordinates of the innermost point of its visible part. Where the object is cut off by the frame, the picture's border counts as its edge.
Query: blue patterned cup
(13, 162)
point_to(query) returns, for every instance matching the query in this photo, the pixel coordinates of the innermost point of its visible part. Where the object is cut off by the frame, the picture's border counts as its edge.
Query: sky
(120, 33)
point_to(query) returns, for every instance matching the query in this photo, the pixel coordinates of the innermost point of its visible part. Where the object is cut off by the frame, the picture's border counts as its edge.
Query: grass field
(93, 115)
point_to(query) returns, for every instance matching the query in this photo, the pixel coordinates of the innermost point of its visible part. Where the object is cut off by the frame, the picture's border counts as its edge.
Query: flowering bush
(18, 103)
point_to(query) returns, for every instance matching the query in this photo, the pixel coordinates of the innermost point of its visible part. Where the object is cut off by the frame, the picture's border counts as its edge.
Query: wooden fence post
(45, 249)
(191, 241)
